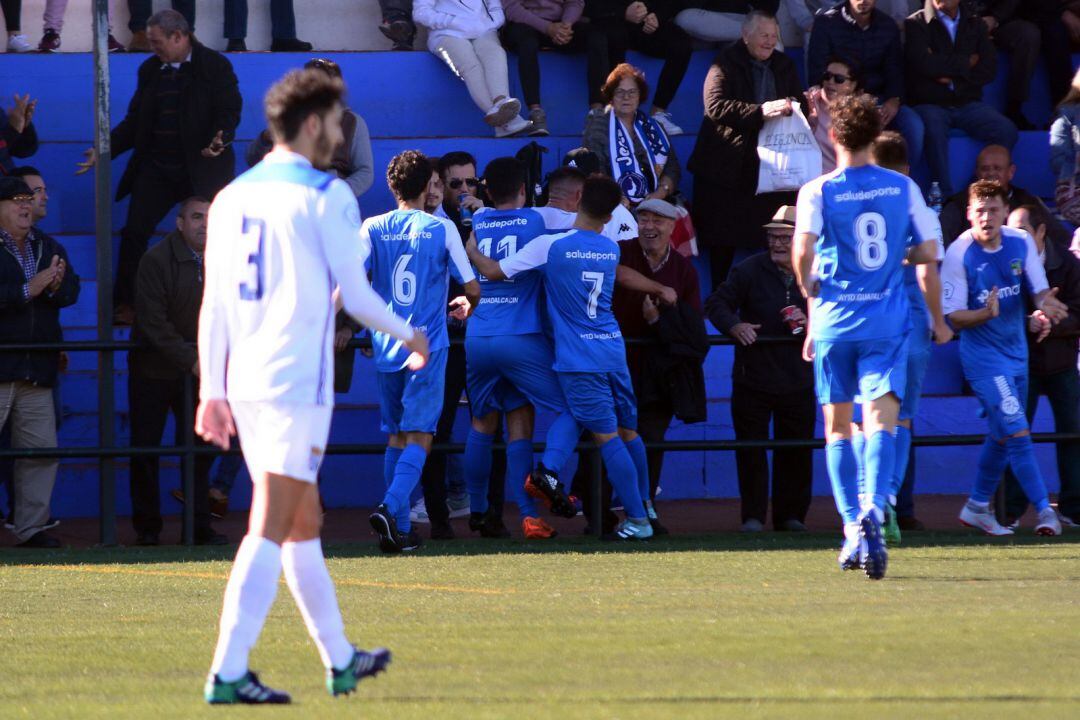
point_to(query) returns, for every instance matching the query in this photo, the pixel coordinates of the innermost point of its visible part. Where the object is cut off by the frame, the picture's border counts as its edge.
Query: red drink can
(787, 314)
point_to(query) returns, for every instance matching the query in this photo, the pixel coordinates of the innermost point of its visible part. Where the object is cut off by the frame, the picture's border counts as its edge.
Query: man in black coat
(769, 380)
(35, 282)
(749, 82)
(180, 126)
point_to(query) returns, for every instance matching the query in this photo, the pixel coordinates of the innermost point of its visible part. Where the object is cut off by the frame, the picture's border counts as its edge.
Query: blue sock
(519, 463)
(843, 474)
(880, 459)
(636, 447)
(623, 476)
(478, 468)
(903, 454)
(858, 445)
(992, 461)
(1022, 460)
(562, 438)
(389, 463)
(406, 476)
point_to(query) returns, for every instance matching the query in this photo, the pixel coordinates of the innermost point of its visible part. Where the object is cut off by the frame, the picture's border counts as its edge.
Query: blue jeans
(282, 19)
(977, 119)
(1063, 392)
(908, 123)
(140, 11)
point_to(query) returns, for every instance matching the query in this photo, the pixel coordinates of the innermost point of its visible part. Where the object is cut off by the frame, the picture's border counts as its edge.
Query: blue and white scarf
(625, 167)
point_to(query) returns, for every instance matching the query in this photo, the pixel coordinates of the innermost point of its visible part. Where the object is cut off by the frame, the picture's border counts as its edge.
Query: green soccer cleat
(246, 691)
(891, 529)
(363, 664)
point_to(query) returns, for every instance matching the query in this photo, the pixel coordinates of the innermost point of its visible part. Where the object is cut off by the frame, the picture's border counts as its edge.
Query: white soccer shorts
(282, 438)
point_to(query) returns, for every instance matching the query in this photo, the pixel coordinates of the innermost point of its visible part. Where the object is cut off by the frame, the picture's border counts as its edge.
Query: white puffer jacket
(468, 19)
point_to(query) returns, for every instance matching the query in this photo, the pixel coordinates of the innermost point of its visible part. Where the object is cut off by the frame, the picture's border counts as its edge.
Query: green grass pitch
(690, 627)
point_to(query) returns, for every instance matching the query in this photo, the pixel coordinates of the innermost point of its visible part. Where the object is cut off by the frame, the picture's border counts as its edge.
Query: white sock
(313, 590)
(249, 595)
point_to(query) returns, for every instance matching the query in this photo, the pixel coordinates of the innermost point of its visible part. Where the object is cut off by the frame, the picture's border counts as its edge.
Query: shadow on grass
(728, 542)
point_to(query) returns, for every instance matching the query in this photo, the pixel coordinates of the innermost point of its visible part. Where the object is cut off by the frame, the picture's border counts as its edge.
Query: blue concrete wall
(410, 100)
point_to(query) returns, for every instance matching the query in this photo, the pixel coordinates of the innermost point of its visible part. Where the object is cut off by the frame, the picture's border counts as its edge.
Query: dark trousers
(670, 43)
(653, 422)
(1020, 40)
(588, 37)
(793, 416)
(1063, 392)
(433, 478)
(141, 10)
(396, 10)
(150, 401)
(12, 10)
(1056, 51)
(282, 19)
(153, 195)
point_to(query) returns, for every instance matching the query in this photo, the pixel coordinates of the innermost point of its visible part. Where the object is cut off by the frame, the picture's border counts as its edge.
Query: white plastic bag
(789, 153)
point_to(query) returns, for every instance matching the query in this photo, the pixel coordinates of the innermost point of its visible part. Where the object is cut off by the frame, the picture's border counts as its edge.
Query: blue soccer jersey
(579, 278)
(507, 307)
(865, 218)
(998, 346)
(409, 254)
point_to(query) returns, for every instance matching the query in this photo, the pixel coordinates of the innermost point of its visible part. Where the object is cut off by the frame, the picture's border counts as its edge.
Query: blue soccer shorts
(863, 369)
(412, 401)
(507, 372)
(1003, 398)
(600, 402)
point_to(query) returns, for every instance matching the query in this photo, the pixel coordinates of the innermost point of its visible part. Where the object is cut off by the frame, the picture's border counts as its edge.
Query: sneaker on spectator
(18, 44)
(50, 523)
(792, 525)
(139, 42)
(1048, 523)
(517, 126)
(418, 513)
(753, 525)
(50, 41)
(458, 505)
(538, 118)
(503, 112)
(115, 46)
(236, 45)
(399, 32)
(663, 119)
(982, 518)
(289, 45)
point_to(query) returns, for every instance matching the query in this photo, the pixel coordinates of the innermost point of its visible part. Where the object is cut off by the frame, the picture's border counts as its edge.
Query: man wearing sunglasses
(859, 33)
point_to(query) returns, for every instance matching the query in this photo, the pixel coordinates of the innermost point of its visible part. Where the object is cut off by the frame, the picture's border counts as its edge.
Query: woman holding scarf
(631, 145)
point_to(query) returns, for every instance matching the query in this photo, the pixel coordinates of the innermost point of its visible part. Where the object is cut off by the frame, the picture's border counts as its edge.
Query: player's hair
(889, 150)
(297, 96)
(1036, 214)
(24, 171)
(327, 65)
(457, 157)
(191, 200)
(986, 189)
(170, 21)
(616, 76)
(599, 196)
(565, 177)
(504, 177)
(856, 121)
(408, 174)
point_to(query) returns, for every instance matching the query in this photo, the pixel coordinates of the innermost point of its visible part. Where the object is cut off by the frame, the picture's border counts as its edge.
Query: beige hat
(782, 219)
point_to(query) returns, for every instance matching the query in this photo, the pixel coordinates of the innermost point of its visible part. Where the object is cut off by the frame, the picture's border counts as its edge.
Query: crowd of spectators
(925, 67)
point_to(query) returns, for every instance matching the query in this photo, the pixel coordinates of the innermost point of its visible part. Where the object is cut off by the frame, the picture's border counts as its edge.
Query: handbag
(789, 153)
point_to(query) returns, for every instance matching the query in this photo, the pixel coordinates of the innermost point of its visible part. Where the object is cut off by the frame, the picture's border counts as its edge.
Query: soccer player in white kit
(281, 236)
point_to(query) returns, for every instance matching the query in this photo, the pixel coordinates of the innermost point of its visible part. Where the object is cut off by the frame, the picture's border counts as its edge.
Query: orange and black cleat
(536, 529)
(544, 485)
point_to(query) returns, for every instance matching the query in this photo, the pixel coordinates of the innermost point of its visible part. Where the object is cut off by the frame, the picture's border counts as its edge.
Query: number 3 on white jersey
(596, 281)
(404, 281)
(871, 250)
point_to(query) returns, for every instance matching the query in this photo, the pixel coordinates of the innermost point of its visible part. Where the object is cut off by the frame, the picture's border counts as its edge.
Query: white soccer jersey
(622, 226)
(280, 237)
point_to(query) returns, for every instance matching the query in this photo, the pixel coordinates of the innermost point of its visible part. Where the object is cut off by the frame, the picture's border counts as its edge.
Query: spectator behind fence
(18, 137)
(649, 27)
(1052, 358)
(1019, 38)
(769, 380)
(164, 368)
(464, 34)
(397, 24)
(840, 79)
(140, 10)
(645, 164)
(667, 377)
(948, 59)
(858, 32)
(35, 282)
(53, 22)
(180, 125)
(721, 21)
(995, 163)
(352, 161)
(282, 27)
(1065, 153)
(749, 82)
(556, 24)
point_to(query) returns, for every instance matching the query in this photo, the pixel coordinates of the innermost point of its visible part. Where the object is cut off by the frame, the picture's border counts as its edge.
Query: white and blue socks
(311, 587)
(843, 475)
(519, 463)
(406, 476)
(478, 468)
(623, 476)
(250, 593)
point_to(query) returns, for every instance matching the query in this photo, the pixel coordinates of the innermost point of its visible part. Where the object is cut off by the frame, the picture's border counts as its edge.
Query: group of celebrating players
(286, 249)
